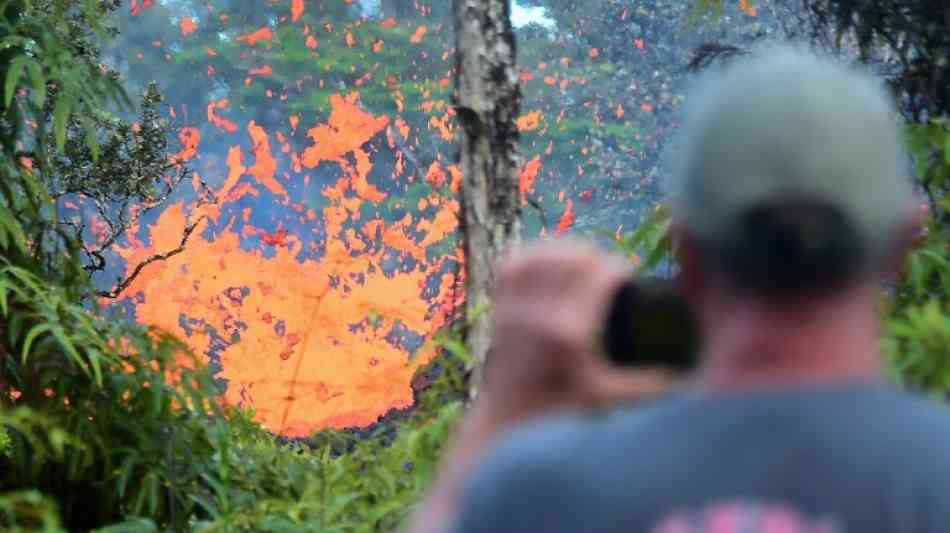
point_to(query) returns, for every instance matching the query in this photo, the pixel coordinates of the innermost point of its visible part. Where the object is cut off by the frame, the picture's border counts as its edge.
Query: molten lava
(315, 327)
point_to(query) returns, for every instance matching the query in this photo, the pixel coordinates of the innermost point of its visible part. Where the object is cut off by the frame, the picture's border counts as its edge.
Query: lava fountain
(313, 328)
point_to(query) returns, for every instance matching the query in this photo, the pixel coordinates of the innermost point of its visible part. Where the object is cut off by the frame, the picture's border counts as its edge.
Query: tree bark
(487, 104)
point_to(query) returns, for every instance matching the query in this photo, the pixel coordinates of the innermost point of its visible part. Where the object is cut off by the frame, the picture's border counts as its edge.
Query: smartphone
(650, 324)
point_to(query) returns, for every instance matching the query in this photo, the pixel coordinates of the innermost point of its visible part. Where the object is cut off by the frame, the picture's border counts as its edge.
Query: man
(789, 209)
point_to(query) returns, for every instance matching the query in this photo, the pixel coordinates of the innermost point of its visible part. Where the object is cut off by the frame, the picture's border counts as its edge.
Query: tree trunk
(487, 103)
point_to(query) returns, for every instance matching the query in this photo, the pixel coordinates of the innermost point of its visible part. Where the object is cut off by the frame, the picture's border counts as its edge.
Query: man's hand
(550, 304)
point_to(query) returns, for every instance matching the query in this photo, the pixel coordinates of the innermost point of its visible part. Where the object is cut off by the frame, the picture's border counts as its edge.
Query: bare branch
(117, 229)
(709, 52)
(124, 284)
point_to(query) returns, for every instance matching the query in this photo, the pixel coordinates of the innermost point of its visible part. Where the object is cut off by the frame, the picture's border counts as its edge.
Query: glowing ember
(567, 219)
(217, 120)
(527, 178)
(138, 6)
(418, 35)
(530, 121)
(262, 34)
(296, 9)
(188, 26)
(748, 8)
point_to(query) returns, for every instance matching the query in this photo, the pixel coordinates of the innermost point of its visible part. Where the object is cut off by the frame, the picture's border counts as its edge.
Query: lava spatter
(327, 364)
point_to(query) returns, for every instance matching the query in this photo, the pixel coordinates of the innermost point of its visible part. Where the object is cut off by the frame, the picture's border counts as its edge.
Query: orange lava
(747, 8)
(217, 120)
(529, 121)
(188, 26)
(567, 219)
(296, 9)
(265, 70)
(310, 341)
(262, 34)
(265, 166)
(419, 34)
(189, 138)
(137, 8)
(529, 174)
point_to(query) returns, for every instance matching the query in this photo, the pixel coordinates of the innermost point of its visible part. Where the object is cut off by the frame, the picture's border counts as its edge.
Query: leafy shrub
(917, 329)
(261, 485)
(28, 510)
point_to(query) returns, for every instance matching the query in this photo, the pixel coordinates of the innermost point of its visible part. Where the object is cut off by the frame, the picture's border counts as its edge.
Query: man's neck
(751, 343)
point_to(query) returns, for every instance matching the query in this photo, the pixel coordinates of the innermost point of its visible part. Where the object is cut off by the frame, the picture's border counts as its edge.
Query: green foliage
(908, 41)
(51, 55)
(108, 431)
(345, 483)
(78, 144)
(29, 511)
(651, 243)
(918, 325)
(4, 443)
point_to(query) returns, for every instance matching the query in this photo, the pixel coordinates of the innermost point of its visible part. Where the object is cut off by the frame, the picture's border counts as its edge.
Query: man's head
(789, 179)
(790, 205)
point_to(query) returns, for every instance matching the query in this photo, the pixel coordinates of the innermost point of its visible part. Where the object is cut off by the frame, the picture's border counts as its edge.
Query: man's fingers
(550, 301)
(558, 290)
(554, 267)
(536, 262)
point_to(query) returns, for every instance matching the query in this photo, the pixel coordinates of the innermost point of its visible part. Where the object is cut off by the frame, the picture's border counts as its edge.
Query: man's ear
(910, 236)
(691, 279)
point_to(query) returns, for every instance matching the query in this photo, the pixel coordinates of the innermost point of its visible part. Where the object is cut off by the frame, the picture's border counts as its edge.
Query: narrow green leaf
(64, 106)
(13, 230)
(153, 488)
(14, 327)
(125, 472)
(38, 94)
(31, 336)
(206, 505)
(67, 345)
(457, 348)
(14, 72)
(135, 525)
(4, 305)
(92, 141)
(661, 251)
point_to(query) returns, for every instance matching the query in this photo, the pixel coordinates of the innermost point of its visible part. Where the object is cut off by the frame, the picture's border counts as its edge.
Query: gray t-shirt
(855, 458)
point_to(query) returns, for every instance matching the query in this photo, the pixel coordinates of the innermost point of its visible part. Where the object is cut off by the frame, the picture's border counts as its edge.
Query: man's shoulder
(557, 470)
(538, 445)
(919, 424)
(911, 418)
(539, 477)
(556, 452)
(556, 440)
(887, 425)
